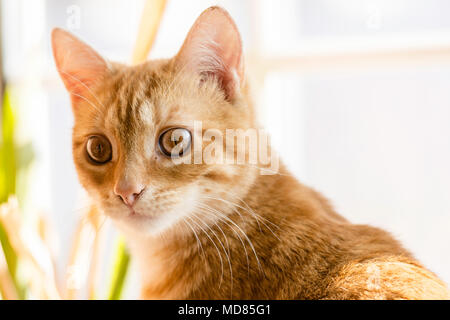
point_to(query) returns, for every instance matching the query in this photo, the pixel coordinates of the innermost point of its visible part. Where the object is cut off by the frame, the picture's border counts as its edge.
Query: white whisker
(226, 253)
(243, 233)
(251, 213)
(87, 100)
(217, 249)
(199, 244)
(84, 85)
(210, 211)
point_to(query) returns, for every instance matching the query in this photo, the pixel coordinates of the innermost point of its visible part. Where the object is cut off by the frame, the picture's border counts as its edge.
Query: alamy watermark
(73, 21)
(245, 147)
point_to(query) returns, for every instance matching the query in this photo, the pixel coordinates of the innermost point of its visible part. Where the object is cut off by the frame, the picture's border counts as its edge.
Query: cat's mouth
(135, 214)
(137, 217)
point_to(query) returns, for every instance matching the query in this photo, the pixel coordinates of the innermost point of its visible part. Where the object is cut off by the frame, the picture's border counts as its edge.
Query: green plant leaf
(8, 170)
(7, 150)
(120, 269)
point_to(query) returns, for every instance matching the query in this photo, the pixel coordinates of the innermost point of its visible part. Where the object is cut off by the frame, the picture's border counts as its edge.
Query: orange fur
(219, 231)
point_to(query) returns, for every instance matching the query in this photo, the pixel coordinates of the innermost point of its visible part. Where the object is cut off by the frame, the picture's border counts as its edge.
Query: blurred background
(355, 94)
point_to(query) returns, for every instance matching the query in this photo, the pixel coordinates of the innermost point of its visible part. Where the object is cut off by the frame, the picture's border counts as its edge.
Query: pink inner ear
(213, 47)
(79, 66)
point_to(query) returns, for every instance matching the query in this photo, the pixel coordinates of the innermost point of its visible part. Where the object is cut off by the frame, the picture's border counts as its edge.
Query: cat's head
(132, 122)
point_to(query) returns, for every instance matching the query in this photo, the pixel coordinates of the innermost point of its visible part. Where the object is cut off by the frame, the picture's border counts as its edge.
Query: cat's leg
(389, 278)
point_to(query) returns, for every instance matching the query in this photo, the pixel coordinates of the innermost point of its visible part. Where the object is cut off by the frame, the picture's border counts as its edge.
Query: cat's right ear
(79, 66)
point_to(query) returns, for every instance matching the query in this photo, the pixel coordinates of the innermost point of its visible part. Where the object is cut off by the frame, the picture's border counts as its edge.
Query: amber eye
(175, 142)
(98, 149)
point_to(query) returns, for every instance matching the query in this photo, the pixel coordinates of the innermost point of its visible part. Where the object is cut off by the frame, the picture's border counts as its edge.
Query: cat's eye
(175, 142)
(99, 149)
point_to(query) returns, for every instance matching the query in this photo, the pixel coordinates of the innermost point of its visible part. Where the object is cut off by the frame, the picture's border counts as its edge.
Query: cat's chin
(145, 225)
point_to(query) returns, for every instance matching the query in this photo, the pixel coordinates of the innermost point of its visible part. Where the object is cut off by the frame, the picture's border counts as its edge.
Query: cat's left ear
(213, 47)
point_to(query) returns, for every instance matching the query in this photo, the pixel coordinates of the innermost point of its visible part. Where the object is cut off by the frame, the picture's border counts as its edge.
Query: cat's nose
(129, 193)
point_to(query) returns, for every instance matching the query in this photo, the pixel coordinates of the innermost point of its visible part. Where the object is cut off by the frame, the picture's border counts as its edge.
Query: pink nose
(129, 193)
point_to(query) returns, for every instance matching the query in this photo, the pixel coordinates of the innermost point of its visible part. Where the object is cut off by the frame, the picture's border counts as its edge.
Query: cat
(214, 230)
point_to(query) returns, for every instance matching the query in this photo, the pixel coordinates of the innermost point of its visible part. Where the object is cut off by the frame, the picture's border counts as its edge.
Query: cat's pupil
(176, 140)
(99, 149)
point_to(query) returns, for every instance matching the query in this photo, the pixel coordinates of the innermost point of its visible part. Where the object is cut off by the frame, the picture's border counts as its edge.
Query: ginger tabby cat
(214, 229)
